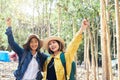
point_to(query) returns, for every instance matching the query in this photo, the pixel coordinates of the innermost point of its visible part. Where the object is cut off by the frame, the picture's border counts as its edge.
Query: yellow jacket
(69, 56)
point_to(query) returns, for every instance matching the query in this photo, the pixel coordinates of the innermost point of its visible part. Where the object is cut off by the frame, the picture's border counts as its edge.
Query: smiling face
(53, 46)
(33, 44)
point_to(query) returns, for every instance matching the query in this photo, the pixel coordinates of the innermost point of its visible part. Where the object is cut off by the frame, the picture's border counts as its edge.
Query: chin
(54, 50)
(34, 49)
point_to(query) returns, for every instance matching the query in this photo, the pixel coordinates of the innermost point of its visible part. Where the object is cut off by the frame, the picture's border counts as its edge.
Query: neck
(56, 53)
(33, 52)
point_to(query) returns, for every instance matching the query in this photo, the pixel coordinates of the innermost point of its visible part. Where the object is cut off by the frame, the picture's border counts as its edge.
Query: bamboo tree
(118, 34)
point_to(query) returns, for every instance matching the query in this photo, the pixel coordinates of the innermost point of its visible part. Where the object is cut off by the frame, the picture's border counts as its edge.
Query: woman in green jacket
(53, 68)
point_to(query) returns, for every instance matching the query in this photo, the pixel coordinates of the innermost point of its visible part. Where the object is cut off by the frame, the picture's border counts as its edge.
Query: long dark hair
(60, 47)
(26, 46)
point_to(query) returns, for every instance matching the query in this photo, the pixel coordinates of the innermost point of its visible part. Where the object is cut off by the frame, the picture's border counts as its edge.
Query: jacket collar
(57, 56)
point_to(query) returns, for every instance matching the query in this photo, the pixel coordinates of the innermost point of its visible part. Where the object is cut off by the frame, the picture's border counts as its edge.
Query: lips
(53, 48)
(34, 47)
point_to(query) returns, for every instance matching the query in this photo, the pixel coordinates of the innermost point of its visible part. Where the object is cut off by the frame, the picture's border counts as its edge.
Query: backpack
(73, 67)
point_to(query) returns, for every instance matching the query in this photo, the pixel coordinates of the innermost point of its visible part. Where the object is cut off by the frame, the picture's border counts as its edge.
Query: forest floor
(7, 69)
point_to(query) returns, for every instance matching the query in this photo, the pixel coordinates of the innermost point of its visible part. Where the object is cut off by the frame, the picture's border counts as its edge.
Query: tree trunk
(118, 34)
(105, 72)
(59, 22)
(33, 19)
(96, 53)
(114, 41)
(86, 55)
(49, 17)
(92, 53)
(108, 43)
(87, 59)
(85, 49)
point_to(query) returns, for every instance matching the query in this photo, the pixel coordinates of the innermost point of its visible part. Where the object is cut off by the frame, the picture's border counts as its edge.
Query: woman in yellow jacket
(53, 68)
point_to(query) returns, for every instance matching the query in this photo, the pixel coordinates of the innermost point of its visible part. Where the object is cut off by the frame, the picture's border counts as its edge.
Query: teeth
(53, 48)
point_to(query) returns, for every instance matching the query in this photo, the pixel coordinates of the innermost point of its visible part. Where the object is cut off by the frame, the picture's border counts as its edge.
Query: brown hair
(26, 46)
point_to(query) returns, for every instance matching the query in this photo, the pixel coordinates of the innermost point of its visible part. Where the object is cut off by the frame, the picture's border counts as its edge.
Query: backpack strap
(62, 58)
(73, 71)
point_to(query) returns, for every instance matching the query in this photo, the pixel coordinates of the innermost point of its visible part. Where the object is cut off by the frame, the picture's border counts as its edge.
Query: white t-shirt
(32, 69)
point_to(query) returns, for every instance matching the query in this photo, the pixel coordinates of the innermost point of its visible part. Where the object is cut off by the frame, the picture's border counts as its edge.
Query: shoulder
(44, 55)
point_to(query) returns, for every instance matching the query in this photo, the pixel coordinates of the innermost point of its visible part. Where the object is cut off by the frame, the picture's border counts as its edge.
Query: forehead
(52, 41)
(34, 38)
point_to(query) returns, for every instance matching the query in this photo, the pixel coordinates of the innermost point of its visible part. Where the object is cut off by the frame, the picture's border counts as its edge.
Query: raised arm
(14, 46)
(74, 44)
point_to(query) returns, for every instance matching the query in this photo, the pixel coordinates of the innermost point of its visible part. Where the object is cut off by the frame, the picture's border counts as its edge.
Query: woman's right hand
(8, 22)
(84, 25)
